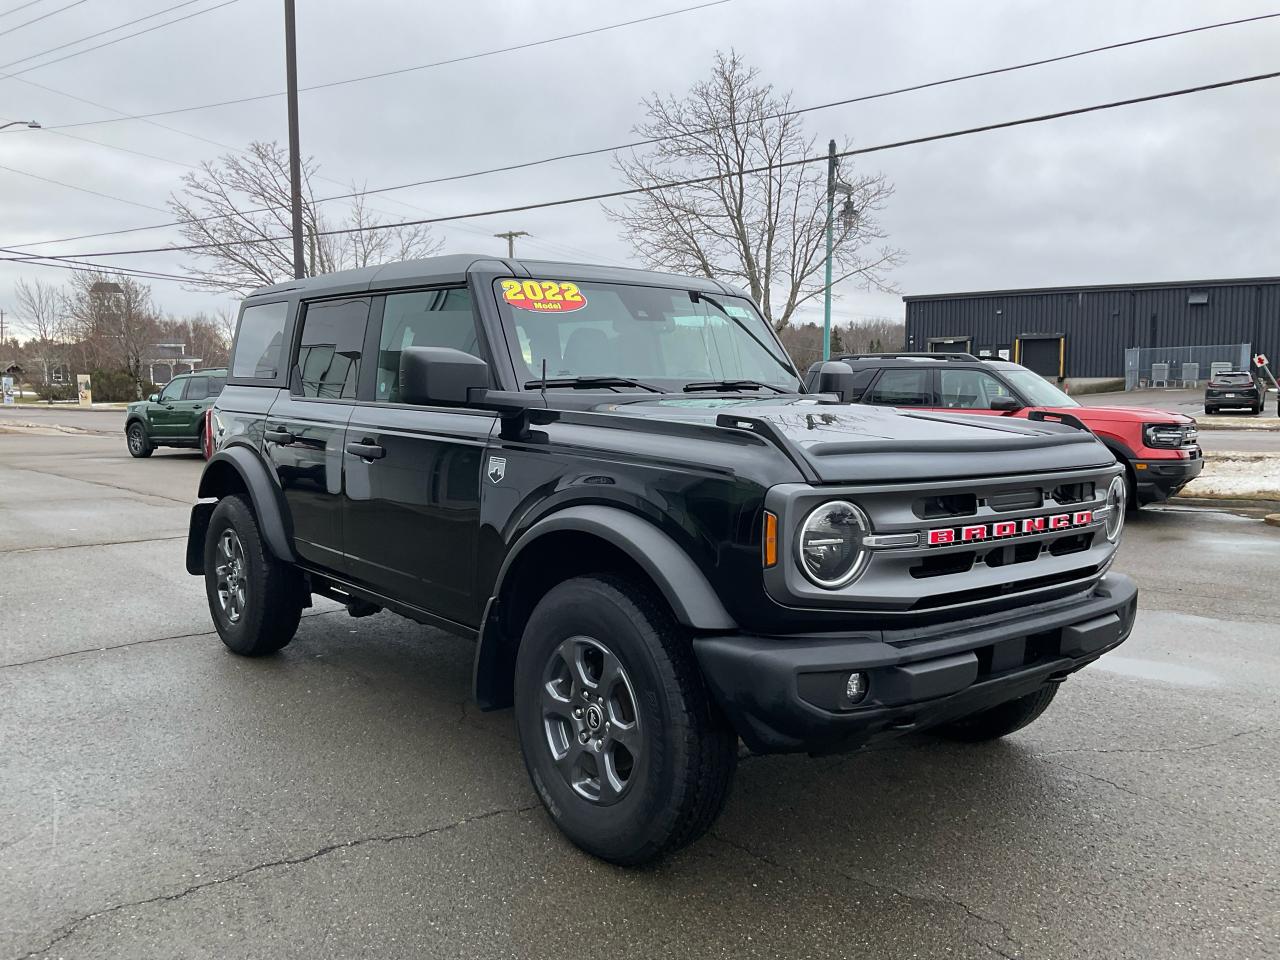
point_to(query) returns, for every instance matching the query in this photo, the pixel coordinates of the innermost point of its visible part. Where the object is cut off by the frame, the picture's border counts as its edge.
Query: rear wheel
(256, 600)
(624, 746)
(1002, 720)
(140, 444)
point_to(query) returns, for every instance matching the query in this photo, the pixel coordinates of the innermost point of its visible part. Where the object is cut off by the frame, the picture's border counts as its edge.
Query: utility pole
(510, 237)
(295, 161)
(831, 216)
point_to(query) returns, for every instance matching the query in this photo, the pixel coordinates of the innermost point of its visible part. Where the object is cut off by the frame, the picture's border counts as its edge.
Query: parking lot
(162, 798)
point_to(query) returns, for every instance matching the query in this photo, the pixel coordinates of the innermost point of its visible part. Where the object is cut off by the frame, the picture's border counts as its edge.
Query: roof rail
(965, 357)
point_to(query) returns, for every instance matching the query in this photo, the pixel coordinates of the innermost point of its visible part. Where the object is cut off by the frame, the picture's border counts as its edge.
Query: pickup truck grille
(957, 544)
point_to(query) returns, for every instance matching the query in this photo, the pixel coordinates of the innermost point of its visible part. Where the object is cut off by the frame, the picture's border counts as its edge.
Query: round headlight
(830, 544)
(1114, 522)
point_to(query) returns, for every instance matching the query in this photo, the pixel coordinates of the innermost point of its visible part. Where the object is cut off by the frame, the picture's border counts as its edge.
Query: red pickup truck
(1159, 449)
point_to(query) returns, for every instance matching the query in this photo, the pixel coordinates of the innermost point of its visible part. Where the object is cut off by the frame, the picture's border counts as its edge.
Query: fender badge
(497, 469)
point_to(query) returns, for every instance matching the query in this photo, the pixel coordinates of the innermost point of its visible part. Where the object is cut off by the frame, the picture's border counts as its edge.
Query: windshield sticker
(543, 296)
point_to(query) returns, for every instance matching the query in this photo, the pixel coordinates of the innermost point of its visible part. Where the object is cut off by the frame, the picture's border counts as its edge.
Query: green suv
(174, 417)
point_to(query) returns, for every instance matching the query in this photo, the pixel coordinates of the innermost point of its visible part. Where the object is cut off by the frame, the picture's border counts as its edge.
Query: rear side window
(328, 363)
(260, 341)
(216, 385)
(902, 388)
(426, 318)
(197, 388)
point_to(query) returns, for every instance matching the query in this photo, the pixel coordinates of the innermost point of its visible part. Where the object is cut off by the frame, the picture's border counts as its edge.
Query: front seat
(588, 353)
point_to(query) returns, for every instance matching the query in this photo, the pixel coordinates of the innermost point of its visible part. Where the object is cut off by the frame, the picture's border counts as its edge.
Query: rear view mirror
(831, 376)
(1009, 404)
(440, 375)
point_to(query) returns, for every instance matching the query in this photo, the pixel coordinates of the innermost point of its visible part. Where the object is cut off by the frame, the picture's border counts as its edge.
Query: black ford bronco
(616, 483)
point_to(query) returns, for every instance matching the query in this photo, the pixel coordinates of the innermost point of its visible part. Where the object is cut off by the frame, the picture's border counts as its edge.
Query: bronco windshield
(659, 336)
(1036, 389)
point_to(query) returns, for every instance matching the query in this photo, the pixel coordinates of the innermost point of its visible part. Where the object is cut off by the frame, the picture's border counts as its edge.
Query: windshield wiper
(731, 385)
(586, 383)
(696, 295)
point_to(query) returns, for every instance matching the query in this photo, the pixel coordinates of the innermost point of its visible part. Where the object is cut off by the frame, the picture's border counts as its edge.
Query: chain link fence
(1181, 366)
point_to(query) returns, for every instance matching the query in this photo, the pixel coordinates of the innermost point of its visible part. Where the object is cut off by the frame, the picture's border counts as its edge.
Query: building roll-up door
(1044, 355)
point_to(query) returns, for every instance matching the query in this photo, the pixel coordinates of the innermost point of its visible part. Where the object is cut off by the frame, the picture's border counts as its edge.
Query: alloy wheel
(232, 582)
(590, 719)
(135, 439)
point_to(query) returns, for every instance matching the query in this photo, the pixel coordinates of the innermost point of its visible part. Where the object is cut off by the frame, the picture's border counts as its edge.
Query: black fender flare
(692, 599)
(263, 494)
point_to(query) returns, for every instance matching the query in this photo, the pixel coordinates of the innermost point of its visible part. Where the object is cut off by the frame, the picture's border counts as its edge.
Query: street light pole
(295, 161)
(831, 215)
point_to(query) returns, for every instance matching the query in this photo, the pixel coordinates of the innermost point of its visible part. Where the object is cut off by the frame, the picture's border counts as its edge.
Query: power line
(74, 264)
(21, 6)
(595, 151)
(692, 181)
(391, 73)
(108, 43)
(43, 16)
(72, 186)
(118, 26)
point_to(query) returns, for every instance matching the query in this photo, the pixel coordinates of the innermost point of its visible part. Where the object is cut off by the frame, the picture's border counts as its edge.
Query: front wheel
(256, 600)
(622, 741)
(1002, 720)
(140, 444)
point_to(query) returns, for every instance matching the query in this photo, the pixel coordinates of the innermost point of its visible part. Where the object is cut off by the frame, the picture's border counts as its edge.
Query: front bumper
(786, 694)
(1159, 480)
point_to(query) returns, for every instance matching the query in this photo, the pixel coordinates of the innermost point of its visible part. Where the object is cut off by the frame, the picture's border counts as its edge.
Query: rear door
(412, 506)
(189, 411)
(913, 386)
(305, 428)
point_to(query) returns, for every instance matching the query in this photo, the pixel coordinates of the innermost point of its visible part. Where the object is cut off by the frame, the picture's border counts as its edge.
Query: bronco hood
(841, 443)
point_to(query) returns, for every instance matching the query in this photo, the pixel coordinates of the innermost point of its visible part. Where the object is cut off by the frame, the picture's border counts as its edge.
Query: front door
(413, 474)
(166, 415)
(969, 390)
(306, 425)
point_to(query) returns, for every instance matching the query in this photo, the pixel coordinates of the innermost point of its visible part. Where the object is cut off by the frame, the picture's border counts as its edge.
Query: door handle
(274, 435)
(366, 450)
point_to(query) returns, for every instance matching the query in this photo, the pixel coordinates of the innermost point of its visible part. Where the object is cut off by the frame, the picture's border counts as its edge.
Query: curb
(1229, 503)
(1273, 519)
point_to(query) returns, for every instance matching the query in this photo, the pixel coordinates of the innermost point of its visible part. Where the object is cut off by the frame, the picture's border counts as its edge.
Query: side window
(969, 389)
(328, 362)
(424, 318)
(216, 385)
(905, 387)
(260, 341)
(173, 390)
(197, 389)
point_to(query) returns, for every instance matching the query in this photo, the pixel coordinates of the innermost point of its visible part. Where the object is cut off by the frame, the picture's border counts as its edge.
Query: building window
(1198, 298)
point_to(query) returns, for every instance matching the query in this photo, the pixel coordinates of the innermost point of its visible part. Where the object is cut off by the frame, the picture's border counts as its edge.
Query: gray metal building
(1082, 333)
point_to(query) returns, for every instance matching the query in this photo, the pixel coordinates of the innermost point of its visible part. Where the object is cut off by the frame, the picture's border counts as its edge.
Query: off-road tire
(1131, 504)
(1002, 720)
(136, 439)
(688, 751)
(274, 591)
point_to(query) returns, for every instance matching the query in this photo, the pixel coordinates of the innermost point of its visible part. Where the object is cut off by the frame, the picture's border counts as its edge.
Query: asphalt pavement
(161, 798)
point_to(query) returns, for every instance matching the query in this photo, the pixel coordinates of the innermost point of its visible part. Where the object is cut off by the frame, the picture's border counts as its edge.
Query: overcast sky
(1180, 189)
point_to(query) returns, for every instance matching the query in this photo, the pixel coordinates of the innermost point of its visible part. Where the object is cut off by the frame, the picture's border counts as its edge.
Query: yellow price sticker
(543, 296)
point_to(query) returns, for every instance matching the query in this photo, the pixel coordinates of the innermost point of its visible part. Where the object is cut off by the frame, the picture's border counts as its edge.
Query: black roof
(1031, 291)
(453, 268)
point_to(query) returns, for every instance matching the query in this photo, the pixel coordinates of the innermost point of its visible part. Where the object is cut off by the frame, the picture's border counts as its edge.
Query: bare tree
(41, 307)
(764, 230)
(112, 320)
(241, 203)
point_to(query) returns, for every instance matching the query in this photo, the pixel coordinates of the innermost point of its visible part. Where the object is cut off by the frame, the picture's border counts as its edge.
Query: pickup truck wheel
(139, 443)
(1002, 720)
(256, 601)
(624, 746)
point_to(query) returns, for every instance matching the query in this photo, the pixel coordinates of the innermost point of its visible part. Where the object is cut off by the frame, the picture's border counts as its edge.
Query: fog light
(855, 688)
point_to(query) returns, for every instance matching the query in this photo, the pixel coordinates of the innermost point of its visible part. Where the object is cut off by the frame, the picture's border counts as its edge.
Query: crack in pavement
(941, 899)
(139, 643)
(73, 925)
(1157, 750)
(86, 546)
(100, 483)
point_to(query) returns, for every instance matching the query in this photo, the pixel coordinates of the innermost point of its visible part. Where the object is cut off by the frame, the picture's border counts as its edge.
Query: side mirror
(831, 376)
(440, 375)
(154, 398)
(1006, 404)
